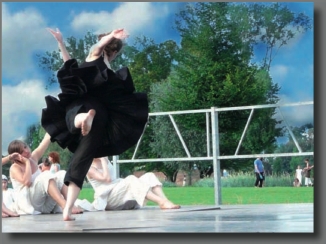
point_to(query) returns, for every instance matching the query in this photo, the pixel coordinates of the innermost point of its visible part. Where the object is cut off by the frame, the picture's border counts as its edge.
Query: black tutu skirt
(127, 110)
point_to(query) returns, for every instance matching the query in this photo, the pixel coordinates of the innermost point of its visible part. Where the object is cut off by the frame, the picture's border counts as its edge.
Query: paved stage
(265, 218)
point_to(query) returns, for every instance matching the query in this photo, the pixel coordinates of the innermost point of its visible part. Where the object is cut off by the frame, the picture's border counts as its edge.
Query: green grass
(230, 195)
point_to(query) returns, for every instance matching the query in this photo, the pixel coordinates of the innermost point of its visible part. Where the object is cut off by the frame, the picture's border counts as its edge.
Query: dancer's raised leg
(84, 121)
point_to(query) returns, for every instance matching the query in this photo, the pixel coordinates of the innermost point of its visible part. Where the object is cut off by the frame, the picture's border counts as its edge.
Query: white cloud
(21, 104)
(279, 73)
(135, 17)
(295, 115)
(23, 33)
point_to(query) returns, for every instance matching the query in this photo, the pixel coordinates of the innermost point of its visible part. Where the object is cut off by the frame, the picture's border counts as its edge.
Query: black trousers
(88, 145)
(259, 181)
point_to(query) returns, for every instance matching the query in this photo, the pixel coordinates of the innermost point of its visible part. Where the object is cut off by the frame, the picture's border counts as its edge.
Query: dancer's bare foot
(8, 213)
(87, 122)
(76, 210)
(67, 215)
(169, 205)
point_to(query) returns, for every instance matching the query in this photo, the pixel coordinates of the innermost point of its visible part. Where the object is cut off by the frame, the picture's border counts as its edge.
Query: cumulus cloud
(291, 114)
(135, 17)
(23, 33)
(279, 73)
(21, 106)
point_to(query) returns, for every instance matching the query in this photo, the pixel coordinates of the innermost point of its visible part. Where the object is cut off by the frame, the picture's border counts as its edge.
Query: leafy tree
(275, 25)
(214, 69)
(305, 138)
(152, 63)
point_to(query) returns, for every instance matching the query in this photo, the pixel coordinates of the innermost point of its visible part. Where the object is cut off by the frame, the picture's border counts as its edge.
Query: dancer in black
(98, 112)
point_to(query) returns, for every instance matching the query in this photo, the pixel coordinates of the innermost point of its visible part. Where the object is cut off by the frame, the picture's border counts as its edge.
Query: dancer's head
(113, 48)
(4, 183)
(18, 146)
(306, 161)
(54, 157)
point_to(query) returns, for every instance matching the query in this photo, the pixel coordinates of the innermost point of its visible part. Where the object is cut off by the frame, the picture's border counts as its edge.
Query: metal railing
(215, 157)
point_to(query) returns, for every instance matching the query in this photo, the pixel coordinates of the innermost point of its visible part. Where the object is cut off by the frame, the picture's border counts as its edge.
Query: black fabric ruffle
(127, 109)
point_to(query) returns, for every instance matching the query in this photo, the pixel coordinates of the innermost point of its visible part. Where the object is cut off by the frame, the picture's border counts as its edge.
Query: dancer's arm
(97, 49)
(17, 173)
(40, 150)
(8, 158)
(105, 167)
(94, 173)
(58, 36)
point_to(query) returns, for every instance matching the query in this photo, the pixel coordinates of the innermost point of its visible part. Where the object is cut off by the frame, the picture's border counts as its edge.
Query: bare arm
(95, 174)
(97, 49)
(58, 36)
(17, 173)
(40, 150)
(8, 158)
(56, 168)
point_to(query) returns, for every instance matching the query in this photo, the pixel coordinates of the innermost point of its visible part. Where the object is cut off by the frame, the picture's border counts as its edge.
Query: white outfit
(8, 198)
(52, 168)
(35, 198)
(298, 173)
(307, 181)
(122, 194)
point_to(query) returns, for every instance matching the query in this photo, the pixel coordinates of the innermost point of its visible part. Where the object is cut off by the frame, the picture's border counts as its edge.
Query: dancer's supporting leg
(85, 152)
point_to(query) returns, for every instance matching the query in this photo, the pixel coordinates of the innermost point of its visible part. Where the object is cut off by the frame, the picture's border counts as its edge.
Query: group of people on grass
(306, 171)
(96, 115)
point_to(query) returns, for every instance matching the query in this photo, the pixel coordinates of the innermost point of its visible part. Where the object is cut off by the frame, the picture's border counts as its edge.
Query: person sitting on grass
(296, 182)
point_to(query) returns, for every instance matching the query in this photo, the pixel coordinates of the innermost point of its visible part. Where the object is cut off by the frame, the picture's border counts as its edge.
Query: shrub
(168, 184)
(247, 179)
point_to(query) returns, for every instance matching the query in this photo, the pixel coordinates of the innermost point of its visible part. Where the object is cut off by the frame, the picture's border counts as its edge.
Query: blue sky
(24, 35)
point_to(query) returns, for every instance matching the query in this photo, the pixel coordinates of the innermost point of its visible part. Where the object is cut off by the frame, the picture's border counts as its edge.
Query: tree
(275, 25)
(152, 63)
(214, 69)
(305, 138)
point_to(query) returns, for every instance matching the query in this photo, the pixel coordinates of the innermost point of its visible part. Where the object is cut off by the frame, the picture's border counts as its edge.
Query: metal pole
(216, 154)
(116, 166)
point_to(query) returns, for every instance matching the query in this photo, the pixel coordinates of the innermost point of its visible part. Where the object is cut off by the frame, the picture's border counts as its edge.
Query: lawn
(230, 195)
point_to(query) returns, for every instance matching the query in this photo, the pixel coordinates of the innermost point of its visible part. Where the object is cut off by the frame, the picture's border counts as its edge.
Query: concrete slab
(267, 218)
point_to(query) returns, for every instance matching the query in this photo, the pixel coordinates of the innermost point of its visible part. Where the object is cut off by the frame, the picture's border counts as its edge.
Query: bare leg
(157, 190)
(84, 121)
(72, 194)
(59, 198)
(6, 212)
(64, 191)
(162, 202)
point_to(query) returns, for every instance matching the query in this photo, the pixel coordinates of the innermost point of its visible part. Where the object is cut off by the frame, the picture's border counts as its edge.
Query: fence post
(216, 154)
(116, 166)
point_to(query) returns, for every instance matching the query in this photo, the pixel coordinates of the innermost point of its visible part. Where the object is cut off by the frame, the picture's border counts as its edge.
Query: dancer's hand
(56, 34)
(120, 34)
(14, 156)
